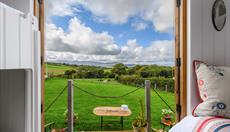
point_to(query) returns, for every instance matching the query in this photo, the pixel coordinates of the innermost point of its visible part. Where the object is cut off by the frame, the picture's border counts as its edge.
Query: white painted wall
(25, 6)
(20, 78)
(16, 49)
(204, 42)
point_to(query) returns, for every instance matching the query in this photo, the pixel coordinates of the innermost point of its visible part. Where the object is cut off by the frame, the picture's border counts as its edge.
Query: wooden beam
(40, 12)
(148, 104)
(35, 7)
(184, 60)
(181, 55)
(177, 55)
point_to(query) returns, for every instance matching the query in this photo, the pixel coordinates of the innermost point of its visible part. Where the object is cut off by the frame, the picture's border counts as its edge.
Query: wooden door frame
(180, 54)
(42, 30)
(181, 58)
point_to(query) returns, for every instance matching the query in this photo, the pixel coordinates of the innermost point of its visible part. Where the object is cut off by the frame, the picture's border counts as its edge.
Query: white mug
(124, 107)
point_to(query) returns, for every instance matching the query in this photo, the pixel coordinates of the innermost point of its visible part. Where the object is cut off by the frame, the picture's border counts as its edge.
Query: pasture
(84, 103)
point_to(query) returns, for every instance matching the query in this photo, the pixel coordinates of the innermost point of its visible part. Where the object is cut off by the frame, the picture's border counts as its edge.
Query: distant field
(108, 69)
(58, 69)
(84, 104)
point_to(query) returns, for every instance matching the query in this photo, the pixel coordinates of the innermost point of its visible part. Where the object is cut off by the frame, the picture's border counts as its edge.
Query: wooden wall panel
(205, 43)
(26, 50)
(194, 48)
(227, 50)
(18, 51)
(22, 5)
(16, 39)
(1, 38)
(207, 33)
(12, 38)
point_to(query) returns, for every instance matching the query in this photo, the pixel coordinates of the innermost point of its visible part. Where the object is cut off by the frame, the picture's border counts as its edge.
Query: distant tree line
(162, 76)
(84, 71)
(144, 71)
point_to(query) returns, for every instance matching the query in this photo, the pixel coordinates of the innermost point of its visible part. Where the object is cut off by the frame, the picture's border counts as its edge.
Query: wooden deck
(112, 131)
(153, 130)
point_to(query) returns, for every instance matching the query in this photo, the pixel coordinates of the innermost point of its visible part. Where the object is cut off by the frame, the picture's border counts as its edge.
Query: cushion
(214, 90)
(202, 124)
(212, 124)
(199, 82)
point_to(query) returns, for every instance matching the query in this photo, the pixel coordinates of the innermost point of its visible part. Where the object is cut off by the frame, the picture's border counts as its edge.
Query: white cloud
(55, 56)
(60, 7)
(158, 52)
(80, 39)
(159, 12)
(81, 43)
(112, 11)
(138, 26)
(62, 49)
(161, 16)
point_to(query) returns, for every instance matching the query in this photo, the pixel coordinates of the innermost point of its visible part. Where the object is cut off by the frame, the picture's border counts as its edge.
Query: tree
(143, 72)
(70, 73)
(119, 69)
(134, 70)
(100, 73)
(90, 72)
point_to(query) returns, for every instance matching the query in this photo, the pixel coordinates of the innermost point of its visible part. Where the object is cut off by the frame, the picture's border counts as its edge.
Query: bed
(202, 124)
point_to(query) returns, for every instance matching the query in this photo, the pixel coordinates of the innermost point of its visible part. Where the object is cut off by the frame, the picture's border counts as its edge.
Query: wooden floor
(113, 131)
(154, 130)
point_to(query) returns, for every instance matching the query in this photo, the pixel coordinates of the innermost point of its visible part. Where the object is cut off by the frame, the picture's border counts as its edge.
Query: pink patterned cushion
(214, 89)
(200, 80)
(212, 124)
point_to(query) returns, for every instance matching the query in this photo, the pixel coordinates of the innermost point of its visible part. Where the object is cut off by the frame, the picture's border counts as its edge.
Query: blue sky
(121, 32)
(104, 31)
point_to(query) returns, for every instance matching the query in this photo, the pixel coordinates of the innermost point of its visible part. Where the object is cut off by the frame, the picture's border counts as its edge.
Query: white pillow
(214, 88)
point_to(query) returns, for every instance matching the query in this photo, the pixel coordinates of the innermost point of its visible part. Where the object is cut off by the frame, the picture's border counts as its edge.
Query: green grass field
(58, 69)
(84, 104)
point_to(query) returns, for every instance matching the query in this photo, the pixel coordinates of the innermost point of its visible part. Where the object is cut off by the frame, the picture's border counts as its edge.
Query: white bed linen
(186, 125)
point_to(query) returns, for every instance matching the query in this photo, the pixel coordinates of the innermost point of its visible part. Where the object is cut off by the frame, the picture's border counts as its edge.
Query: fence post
(166, 88)
(148, 104)
(70, 105)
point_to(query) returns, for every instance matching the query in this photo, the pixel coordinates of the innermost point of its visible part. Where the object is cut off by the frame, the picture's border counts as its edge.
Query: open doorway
(106, 44)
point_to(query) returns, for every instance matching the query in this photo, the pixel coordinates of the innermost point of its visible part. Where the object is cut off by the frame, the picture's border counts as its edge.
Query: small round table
(112, 111)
